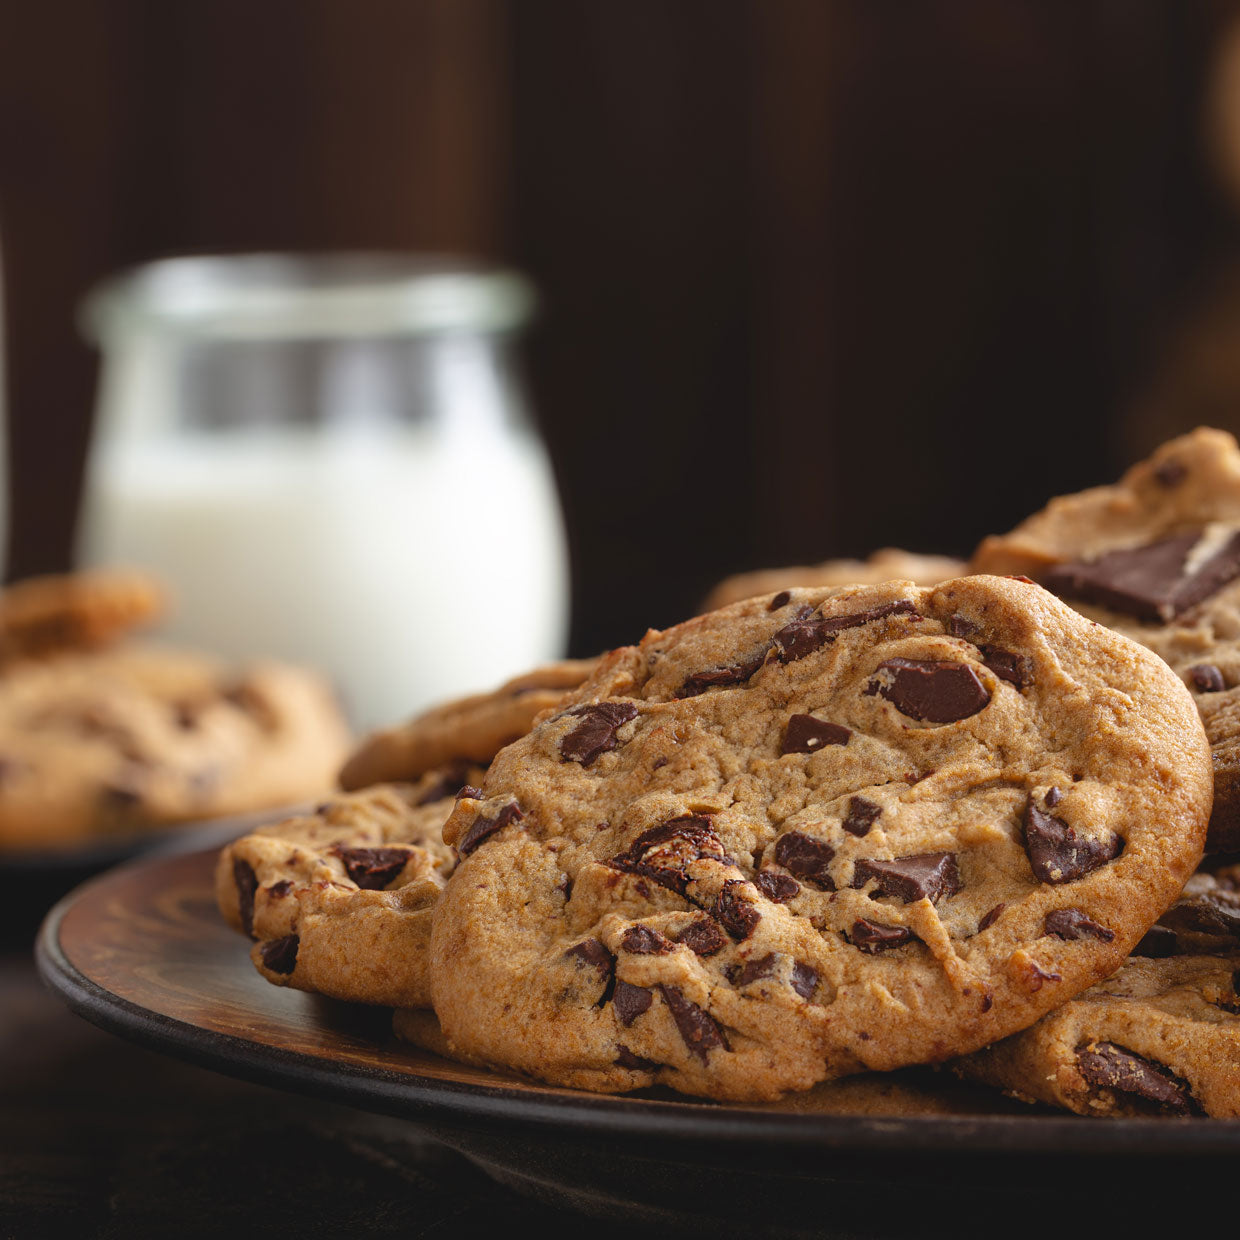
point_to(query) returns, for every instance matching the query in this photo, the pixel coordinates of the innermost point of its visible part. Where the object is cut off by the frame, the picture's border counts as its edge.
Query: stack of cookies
(103, 738)
(853, 817)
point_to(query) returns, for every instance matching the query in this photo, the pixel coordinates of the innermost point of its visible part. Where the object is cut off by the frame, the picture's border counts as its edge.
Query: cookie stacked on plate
(102, 738)
(340, 901)
(831, 828)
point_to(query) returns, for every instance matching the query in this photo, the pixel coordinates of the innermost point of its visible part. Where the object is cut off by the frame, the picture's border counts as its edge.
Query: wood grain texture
(150, 934)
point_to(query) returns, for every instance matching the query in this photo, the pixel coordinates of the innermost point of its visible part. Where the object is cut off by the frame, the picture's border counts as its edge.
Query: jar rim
(306, 295)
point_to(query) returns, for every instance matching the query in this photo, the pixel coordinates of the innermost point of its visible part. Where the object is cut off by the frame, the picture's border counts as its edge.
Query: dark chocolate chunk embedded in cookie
(805, 734)
(373, 868)
(1156, 582)
(1058, 854)
(927, 876)
(596, 733)
(777, 903)
(931, 690)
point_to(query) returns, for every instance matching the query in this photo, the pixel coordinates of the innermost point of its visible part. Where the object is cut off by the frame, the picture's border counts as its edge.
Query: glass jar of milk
(330, 459)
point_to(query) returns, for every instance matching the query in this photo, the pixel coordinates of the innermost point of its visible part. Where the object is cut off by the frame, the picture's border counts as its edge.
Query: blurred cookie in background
(114, 743)
(101, 740)
(45, 616)
(887, 564)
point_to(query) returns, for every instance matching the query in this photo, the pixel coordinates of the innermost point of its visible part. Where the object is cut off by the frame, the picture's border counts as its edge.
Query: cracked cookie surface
(814, 834)
(339, 902)
(470, 729)
(1157, 558)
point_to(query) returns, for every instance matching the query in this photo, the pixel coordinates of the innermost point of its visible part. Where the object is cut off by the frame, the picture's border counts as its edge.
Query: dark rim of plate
(462, 1105)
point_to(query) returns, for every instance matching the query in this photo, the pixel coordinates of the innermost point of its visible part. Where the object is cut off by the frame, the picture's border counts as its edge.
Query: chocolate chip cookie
(44, 616)
(888, 564)
(471, 729)
(1161, 1036)
(128, 740)
(340, 901)
(1157, 558)
(812, 834)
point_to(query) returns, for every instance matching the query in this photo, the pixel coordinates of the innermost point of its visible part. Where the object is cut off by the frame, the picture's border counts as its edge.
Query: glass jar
(330, 459)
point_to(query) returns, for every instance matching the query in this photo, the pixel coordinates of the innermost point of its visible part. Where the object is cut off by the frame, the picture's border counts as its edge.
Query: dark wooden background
(817, 276)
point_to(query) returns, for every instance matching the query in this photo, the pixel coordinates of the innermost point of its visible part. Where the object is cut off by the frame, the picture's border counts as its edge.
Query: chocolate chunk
(280, 955)
(596, 733)
(805, 734)
(924, 876)
(1206, 678)
(1155, 582)
(1058, 854)
(1016, 669)
(664, 852)
(698, 1031)
(373, 868)
(989, 919)
(483, 828)
(593, 953)
(873, 936)
(1037, 976)
(451, 783)
(778, 888)
(806, 858)
(1072, 923)
(645, 941)
(1053, 797)
(279, 890)
(961, 626)
(247, 885)
(703, 937)
(470, 792)
(782, 599)
(1158, 943)
(752, 970)
(1209, 913)
(1171, 472)
(737, 915)
(721, 677)
(630, 1001)
(861, 816)
(931, 690)
(626, 1059)
(1107, 1066)
(804, 978)
(808, 633)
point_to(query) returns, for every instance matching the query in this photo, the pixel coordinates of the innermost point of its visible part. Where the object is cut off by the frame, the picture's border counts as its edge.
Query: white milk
(409, 564)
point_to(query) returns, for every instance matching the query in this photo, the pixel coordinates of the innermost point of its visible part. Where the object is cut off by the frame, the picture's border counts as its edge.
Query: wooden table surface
(99, 1138)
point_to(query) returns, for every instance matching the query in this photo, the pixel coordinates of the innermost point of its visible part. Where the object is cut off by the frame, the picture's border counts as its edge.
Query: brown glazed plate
(142, 952)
